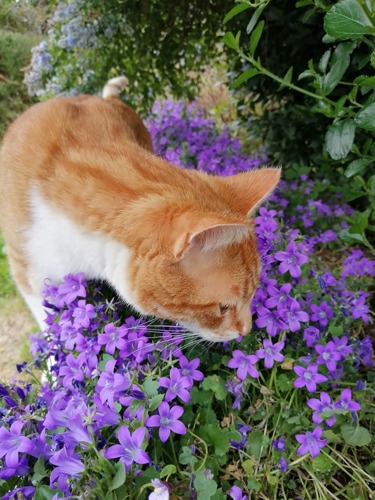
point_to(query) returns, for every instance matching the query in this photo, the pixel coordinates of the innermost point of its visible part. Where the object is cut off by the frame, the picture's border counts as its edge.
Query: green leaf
(347, 237)
(235, 11)
(339, 139)
(322, 463)
(219, 495)
(347, 19)
(120, 476)
(186, 457)
(217, 385)
(168, 470)
(284, 383)
(205, 486)
(231, 41)
(366, 118)
(355, 436)
(248, 466)
(218, 437)
(323, 63)
(155, 401)
(331, 436)
(44, 492)
(365, 81)
(150, 387)
(246, 75)
(39, 471)
(355, 167)
(359, 221)
(256, 442)
(339, 64)
(371, 185)
(287, 78)
(199, 396)
(254, 484)
(254, 18)
(255, 37)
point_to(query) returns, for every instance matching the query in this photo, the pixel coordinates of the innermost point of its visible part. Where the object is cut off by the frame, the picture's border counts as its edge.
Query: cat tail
(114, 86)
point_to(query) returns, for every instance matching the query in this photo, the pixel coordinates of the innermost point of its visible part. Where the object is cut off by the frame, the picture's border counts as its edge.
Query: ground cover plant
(131, 408)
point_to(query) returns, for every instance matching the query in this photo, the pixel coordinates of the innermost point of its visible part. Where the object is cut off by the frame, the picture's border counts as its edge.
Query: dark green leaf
(186, 457)
(347, 19)
(236, 10)
(120, 476)
(365, 81)
(339, 139)
(255, 37)
(231, 41)
(254, 18)
(150, 387)
(339, 64)
(355, 436)
(219, 495)
(39, 471)
(359, 221)
(366, 118)
(256, 443)
(355, 167)
(323, 63)
(371, 185)
(287, 78)
(44, 492)
(284, 383)
(246, 75)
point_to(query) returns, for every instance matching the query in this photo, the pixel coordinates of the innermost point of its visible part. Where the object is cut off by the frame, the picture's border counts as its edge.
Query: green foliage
(14, 56)
(321, 110)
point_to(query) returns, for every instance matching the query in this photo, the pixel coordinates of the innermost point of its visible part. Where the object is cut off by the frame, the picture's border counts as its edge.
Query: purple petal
(164, 433)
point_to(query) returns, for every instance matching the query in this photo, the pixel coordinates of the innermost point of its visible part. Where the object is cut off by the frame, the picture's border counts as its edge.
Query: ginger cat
(82, 191)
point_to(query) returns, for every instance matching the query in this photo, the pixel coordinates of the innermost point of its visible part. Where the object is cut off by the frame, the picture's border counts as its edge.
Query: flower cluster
(129, 406)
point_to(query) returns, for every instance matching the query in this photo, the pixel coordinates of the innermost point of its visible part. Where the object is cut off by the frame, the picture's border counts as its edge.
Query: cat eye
(223, 308)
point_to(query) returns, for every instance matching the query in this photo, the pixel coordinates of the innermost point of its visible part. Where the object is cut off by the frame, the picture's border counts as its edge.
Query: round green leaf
(355, 436)
(322, 463)
(339, 139)
(366, 118)
(347, 19)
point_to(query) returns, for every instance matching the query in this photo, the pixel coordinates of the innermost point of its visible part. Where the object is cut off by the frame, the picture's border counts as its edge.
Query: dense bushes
(310, 66)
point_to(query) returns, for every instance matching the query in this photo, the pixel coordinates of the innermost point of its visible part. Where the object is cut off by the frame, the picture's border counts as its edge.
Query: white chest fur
(57, 246)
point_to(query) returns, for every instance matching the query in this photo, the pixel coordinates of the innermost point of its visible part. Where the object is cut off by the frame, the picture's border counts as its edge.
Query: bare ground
(16, 324)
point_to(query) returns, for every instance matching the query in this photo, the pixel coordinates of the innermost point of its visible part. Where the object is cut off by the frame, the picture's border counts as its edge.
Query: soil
(16, 324)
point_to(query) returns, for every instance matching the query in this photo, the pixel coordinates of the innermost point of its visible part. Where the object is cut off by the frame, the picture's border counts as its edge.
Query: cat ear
(209, 234)
(250, 189)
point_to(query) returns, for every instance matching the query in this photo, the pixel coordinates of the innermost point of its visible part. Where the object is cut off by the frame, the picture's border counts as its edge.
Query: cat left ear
(250, 189)
(208, 235)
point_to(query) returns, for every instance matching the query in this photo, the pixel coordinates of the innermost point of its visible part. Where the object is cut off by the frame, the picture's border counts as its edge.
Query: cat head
(200, 267)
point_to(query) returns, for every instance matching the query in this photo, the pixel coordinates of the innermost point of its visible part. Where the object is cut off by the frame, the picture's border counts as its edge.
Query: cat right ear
(250, 189)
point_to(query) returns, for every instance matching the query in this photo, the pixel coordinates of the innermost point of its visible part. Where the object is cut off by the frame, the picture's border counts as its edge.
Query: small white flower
(161, 491)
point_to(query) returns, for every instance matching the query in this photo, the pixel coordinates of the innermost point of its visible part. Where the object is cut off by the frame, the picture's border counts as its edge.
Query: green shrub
(310, 65)
(15, 53)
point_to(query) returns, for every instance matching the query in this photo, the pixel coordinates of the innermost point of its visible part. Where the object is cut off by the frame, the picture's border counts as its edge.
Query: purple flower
(311, 335)
(161, 490)
(83, 314)
(291, 260)
(311, 442)
(26, 492)
(270, 352)
(129, 450)
(189, 369)
(22, 469)
(68, 466)
(293, 315)
(322, 405)
(167, 421)
(321, 313)
(279, 444)
(72, 370)
(282, 465)
(279, 298)
(345, 402)
(176, 385)
(271, 320)
(236, 493)
(308, 377)
(12, 443)
(328, 355)
(72, 287)
(244, 364)
(342, 346)
(110, 383)
(112, 338)
(360, 310)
